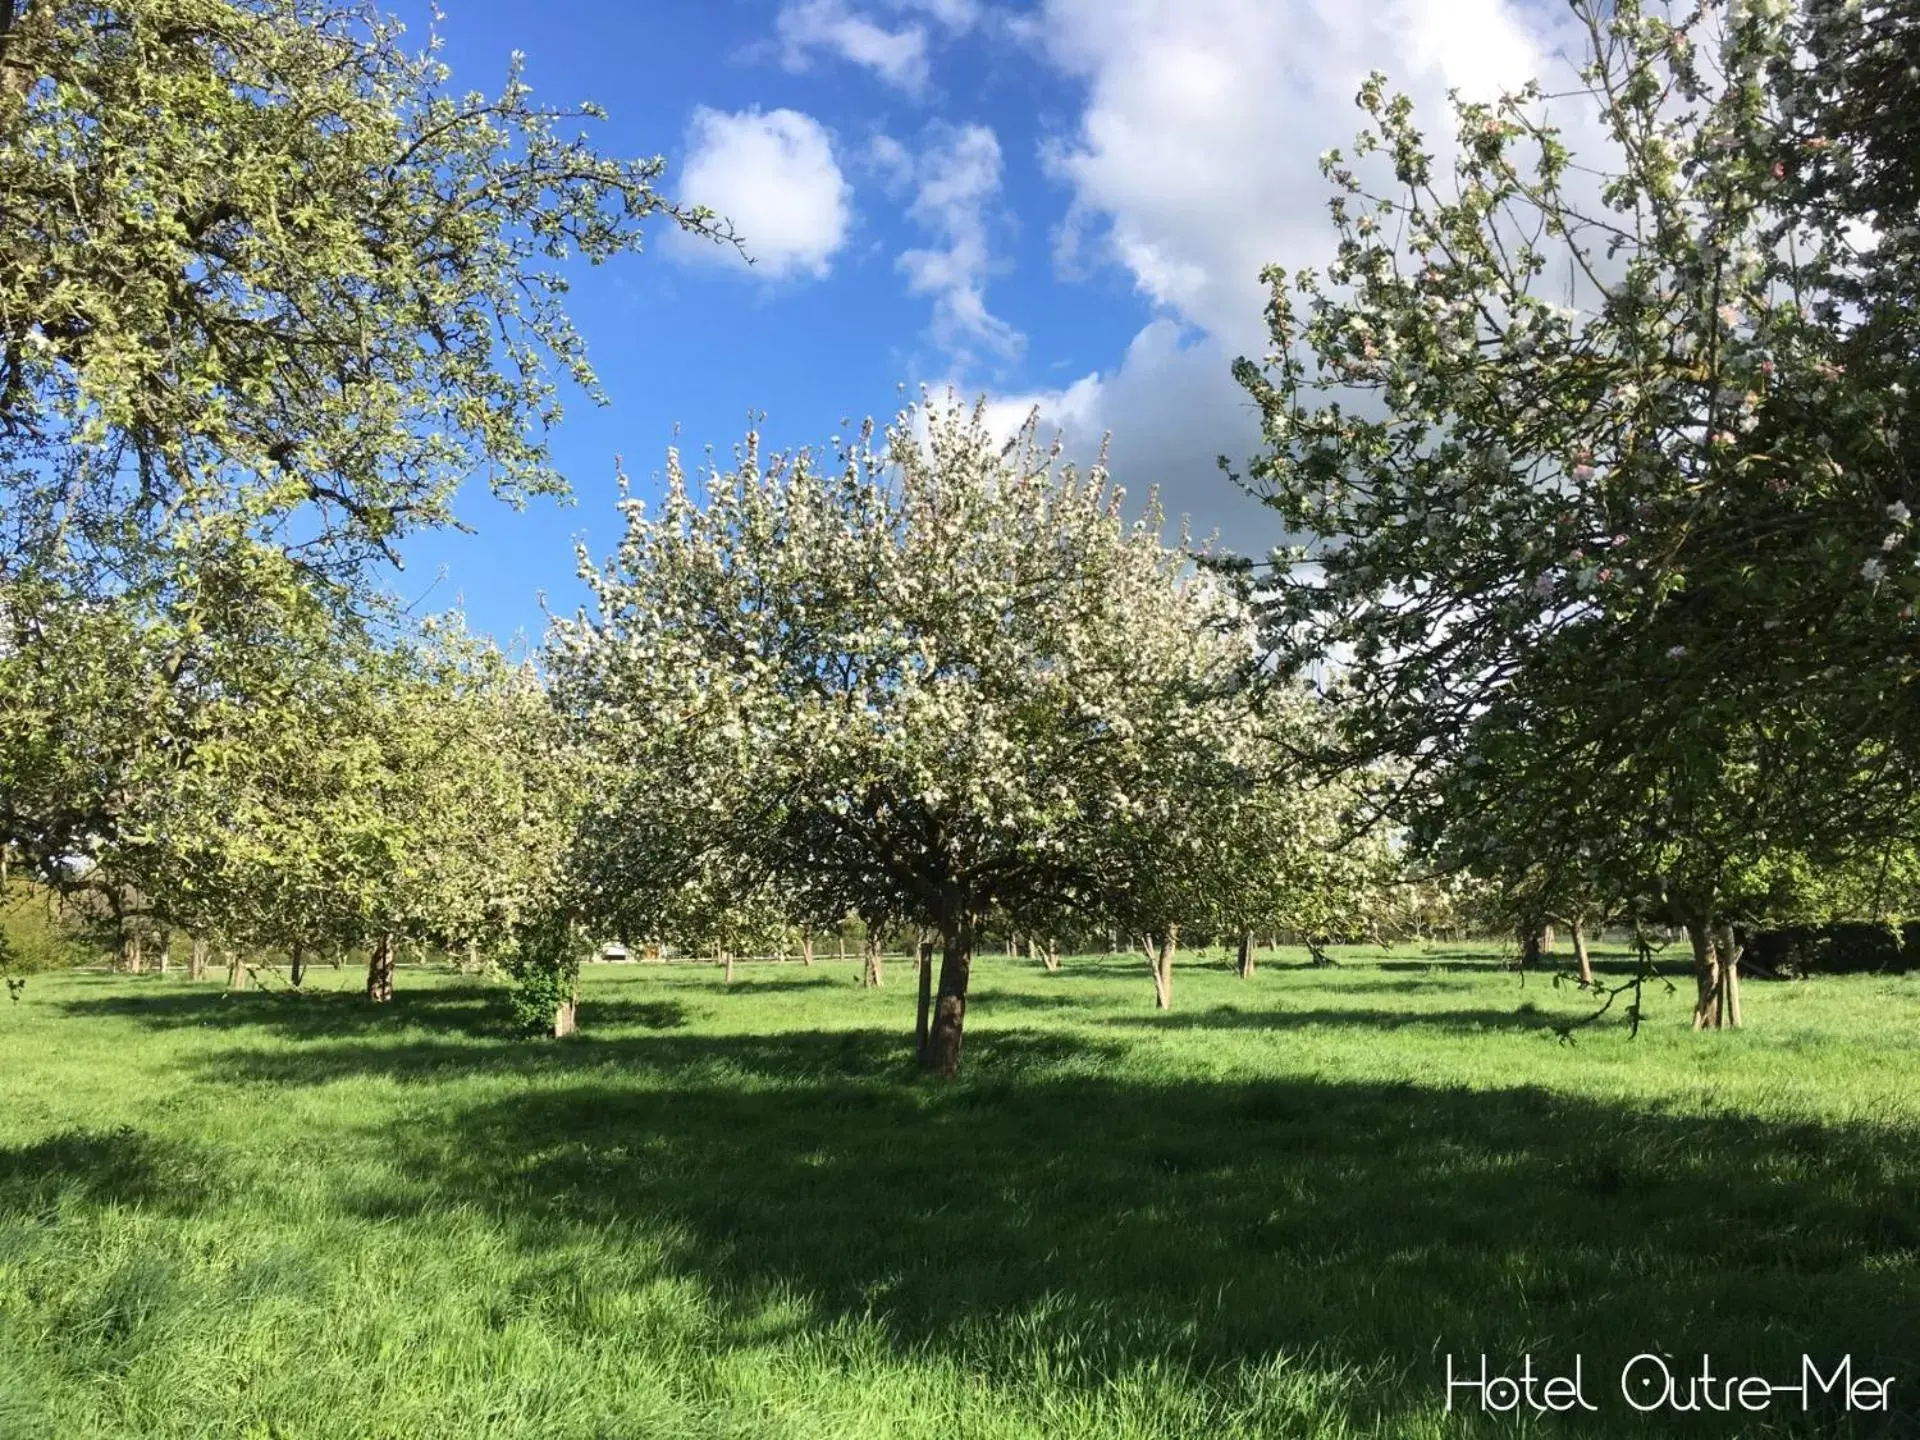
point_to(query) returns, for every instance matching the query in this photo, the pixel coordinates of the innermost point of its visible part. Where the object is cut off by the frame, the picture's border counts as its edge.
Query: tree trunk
(1529, 947)
(197, 960)
(1710, 996)
(164, 951)
(566, 1013)
(871, 974)
(1729, 977)
(1160, 959)
(1246, 955)
(1546, 939)
(840, 941)
(297, 966)
(236, 970)
(923, 1008)
(1052, 960)
(380, 970)
(806, 949)
(950, 1009)
(729, 965)
(1578, 932)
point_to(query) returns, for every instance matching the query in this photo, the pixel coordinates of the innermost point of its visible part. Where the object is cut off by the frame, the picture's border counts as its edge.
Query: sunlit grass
(1271, 1212)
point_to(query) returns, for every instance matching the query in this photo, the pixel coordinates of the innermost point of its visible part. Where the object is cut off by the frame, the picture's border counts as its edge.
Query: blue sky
(1052, 203)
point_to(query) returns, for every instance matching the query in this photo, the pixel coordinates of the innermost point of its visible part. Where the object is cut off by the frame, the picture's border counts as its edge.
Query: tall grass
(739, 1212)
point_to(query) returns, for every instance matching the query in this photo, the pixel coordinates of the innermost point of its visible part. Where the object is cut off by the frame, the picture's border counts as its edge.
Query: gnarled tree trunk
(236, 970)
(297, 965)
(197, 959)
(380, 970)
(1245, 963)
(728, 962)
(872, 975)
(1716, 973)
(566, 1013)
(1051, 958)
(806, 949)
(1729, 976)
(942, 1056)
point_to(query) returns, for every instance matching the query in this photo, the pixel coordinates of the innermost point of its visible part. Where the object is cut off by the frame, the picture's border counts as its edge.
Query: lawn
(1274, 1211)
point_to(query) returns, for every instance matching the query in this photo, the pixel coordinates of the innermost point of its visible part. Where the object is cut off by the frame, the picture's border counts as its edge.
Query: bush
(1843, 948)
(34, 937)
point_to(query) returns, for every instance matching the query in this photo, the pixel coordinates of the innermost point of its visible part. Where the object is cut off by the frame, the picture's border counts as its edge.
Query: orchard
(1009, 881)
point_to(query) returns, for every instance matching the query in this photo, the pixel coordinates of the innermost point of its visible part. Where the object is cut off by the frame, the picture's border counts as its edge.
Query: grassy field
(1273, 1212)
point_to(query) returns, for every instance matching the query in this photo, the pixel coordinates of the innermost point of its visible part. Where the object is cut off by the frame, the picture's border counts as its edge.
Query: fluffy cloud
(957, 180)
(774, 176)
(1194, 163)
(1171, 418)
(898, 55)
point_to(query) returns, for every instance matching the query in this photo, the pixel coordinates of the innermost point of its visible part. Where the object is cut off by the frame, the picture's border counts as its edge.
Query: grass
(1272, 1212)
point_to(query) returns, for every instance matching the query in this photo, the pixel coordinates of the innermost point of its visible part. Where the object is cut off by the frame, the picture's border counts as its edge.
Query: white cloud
(892, 160)
(1198, 143)
(774, 176)
(898, 55)
(957, 181)
(1194, 163)
(1171, 418)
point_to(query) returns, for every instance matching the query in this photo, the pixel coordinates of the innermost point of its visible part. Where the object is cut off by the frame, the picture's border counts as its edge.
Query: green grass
(719, 1212)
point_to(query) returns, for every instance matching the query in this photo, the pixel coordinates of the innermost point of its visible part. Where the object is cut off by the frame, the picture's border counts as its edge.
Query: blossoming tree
(1584, 484)
(931, 681)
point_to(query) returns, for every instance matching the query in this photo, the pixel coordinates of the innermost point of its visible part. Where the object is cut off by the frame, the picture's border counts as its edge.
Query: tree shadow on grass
(477, 1010)
(805, 979)
(474, 1008)
(123, 1166)
(1526, 1016)
(1044, 1212)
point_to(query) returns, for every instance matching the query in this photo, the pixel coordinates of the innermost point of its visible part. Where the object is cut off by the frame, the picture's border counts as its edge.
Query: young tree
(1244, 836)
(929, 682)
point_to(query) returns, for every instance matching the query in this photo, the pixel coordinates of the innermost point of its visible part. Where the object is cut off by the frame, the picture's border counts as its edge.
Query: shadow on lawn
(105, 1167)
(1526, 1016)
(1046, 1212)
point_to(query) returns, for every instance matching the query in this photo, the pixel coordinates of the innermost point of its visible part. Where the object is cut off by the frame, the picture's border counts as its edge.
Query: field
(739, 1212)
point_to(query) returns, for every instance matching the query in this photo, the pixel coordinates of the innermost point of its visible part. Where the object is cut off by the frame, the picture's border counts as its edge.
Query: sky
(1061, 204)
